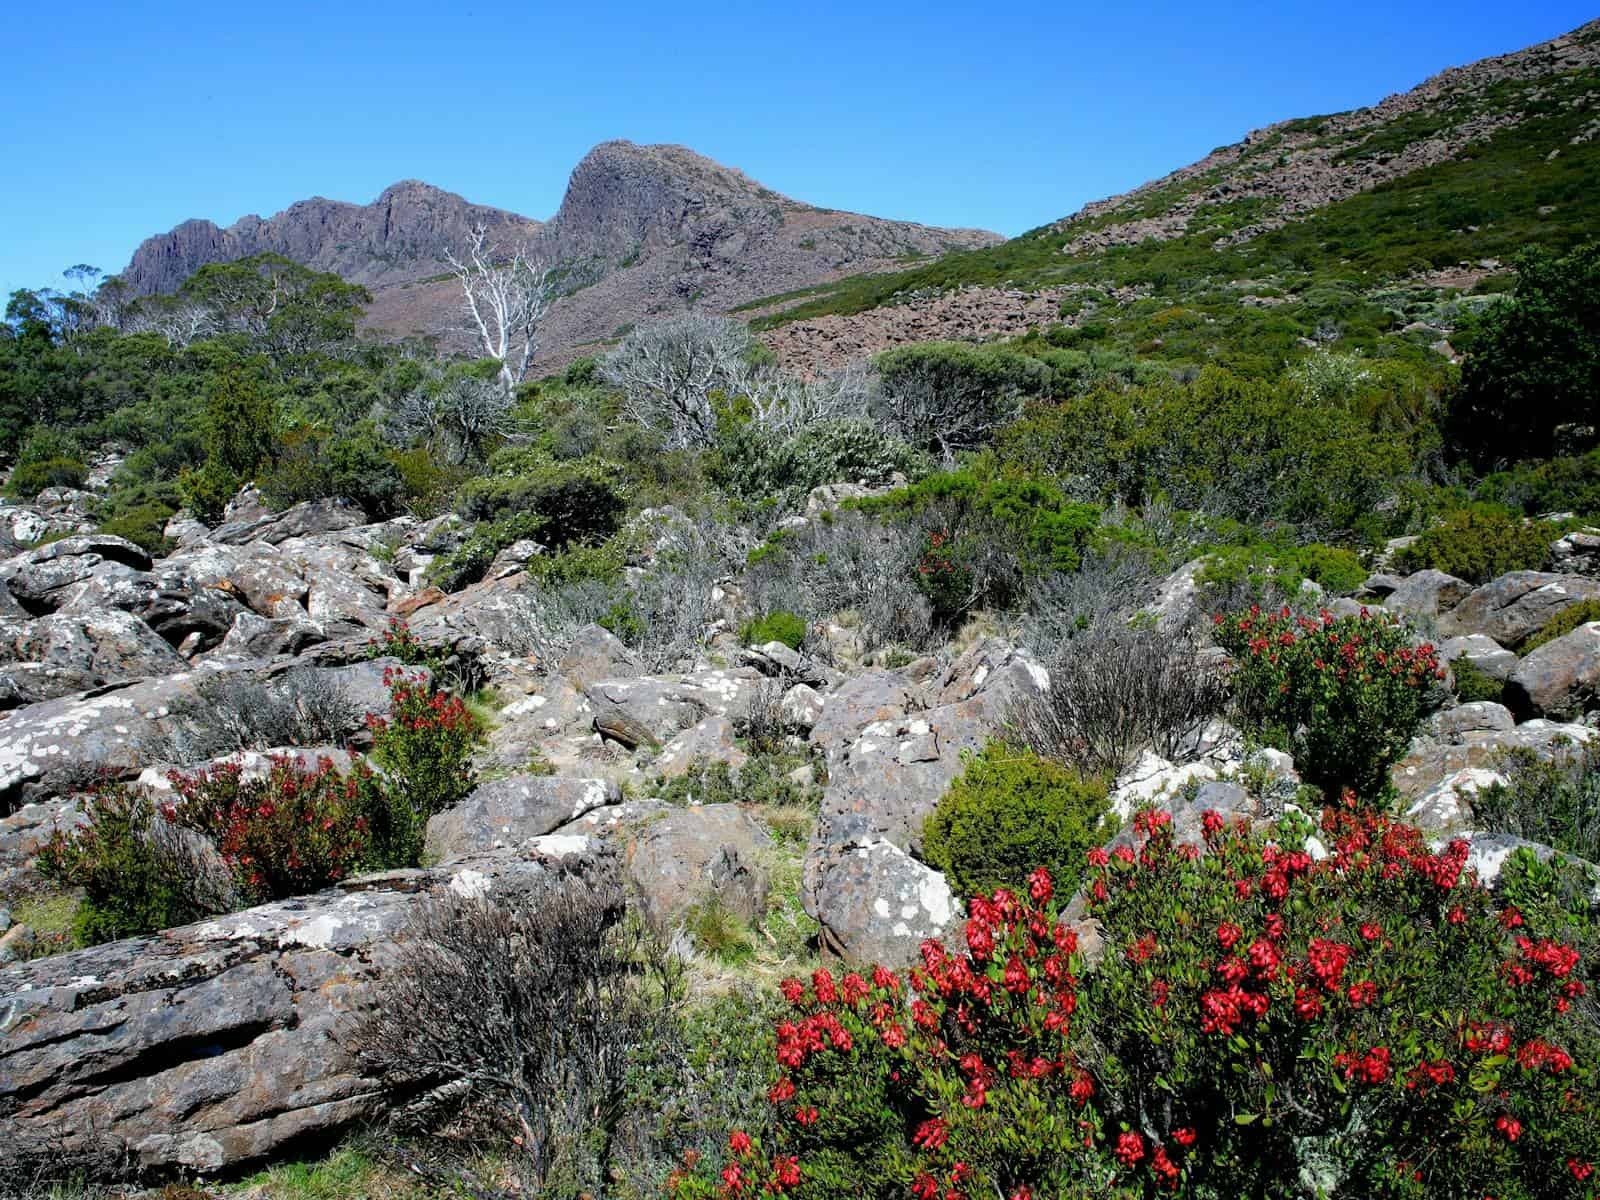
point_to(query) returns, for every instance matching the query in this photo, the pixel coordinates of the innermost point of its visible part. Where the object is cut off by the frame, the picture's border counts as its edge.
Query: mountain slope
(1421, 189)
(656, 229)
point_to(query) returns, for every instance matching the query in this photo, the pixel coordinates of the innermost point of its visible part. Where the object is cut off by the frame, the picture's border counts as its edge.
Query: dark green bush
(312, 464)
(1479, 544)
(779, 626)
(1009, 812)
(1473, 684)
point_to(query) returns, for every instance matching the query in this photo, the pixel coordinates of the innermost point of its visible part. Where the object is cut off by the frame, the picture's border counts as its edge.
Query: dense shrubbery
(1261, 1024)
(1343, 695)
(1480, 543)
(1563, 623)
(138, 872)
(285, 833)
(1008, 812)
(1533, 364)
(233, 835)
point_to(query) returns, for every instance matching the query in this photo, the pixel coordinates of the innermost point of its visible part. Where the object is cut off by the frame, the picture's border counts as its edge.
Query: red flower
(1184, 1137)
(1130, 1148)
(1510, 1126)
(739, 1142)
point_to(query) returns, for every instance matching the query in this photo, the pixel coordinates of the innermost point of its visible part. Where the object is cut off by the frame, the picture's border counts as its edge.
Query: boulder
(1516, 606)
(1478, 717)
(1487, 854)
(1483, 652)
(867, 698)
(1177, 602)
(1434, 757)
(595, 654)
(800, 708)
(1152, 778)
(94, 648)
(507, 812)
(217, 1044)
(1446, 807)
(654, 709)
(777, 660)
(877, 904)
(711, 740)
(311, 517)
(1560, 677)
(259, 576)
(1427, 594)
(267, 637)
(677, 857)
(41, 579)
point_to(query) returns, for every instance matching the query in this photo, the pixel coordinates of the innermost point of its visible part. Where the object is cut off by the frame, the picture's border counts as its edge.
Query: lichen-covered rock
(1434, 757)
(594, 654)
(678, 857)
(1446, 807)
(867, 698)
(1561, 677)
(708, 741)
(800, 708)
(311, 517)
(41, 579)
(214, 1045)
(877, 904)
(507, 812)
(654, 709)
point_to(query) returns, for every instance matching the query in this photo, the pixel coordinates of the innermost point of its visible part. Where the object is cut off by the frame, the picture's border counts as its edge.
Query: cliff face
(654, 228)
(400, 236)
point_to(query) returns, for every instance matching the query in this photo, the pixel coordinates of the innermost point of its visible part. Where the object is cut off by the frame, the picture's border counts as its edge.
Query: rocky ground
(213, 1045)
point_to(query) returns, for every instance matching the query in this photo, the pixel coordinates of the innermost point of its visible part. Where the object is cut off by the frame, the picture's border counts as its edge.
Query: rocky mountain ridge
(653, 229)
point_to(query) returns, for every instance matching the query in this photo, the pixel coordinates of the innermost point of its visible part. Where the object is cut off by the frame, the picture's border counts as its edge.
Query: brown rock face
(658, 229)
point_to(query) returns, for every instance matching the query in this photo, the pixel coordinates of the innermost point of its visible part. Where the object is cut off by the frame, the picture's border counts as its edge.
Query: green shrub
(1011, 811)
(425, 747)
(1563, 623)
(763, 780)
(1479, 544)
(144, 525)
(1267, 574)
(1553, 802)
(207, 490)
(1473, 684)
(286, 833)
(778, 626)
(27, 480)
(137, 871)
(312, 464)
(1343, 695)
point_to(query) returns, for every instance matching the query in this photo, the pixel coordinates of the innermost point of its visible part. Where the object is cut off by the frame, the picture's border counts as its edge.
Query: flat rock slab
(1516, 606)
(507, 812)
(214, 1045)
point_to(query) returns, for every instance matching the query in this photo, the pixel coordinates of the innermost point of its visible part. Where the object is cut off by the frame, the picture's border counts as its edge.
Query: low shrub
(138, 871)
(285, 833)
(28, 479)
(1343, 695)
(1269, 574)
(1259, 1024)
(1563, 623)
(144, 525)
(1479, 544)
(519, 1014)
(425, 747)
(1556, 802)
(763, 780)
(1474, 684)
(777, 626)
(1009, 811)
(1116, 689)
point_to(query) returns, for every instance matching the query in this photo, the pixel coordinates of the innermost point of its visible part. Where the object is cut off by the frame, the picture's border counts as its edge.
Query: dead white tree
(504, 300)
(668, 371)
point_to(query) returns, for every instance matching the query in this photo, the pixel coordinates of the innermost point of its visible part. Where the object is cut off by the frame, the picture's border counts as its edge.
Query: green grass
(349, 1173)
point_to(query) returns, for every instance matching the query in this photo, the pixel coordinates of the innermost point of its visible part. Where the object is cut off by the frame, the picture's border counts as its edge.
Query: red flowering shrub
(284, 834)
(1344, 695)
(1261, 1024)
(425, 746)
(944, 577)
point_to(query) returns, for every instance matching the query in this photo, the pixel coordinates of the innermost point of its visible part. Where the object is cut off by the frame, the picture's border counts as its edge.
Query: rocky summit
(652, 230)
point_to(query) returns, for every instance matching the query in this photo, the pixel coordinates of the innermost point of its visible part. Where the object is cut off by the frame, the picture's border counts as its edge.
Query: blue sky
(123, 117)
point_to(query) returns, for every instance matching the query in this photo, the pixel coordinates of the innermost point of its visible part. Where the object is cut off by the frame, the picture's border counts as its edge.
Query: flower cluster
(426, 743)
(283, 833)
(1251, 999)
